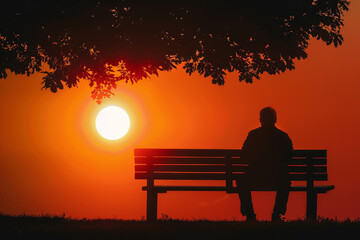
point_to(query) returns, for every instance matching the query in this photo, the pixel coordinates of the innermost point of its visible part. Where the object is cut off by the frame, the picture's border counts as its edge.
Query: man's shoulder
(260, 130)
(280, 131)
(255, 131)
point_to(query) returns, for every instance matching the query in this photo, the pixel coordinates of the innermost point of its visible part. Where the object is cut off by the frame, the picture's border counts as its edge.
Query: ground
(55, 227)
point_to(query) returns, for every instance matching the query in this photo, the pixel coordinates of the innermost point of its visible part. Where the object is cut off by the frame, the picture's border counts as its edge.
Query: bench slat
(216, 176)
(304, 161)
(214, 152)
(186, 152)
(218, 160)
(310, 153)
(162, 188)
(190, 160)
(216, 168)
(305, 176)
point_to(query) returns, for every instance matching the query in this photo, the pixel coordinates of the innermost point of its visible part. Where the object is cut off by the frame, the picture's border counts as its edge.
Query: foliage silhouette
(105, 42)
(53, 227)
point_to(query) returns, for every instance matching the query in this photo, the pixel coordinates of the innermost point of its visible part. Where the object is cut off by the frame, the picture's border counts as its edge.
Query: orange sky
(52, 160)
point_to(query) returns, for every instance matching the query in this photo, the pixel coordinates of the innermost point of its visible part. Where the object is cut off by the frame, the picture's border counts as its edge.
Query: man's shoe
(276, 218)
(251, 218)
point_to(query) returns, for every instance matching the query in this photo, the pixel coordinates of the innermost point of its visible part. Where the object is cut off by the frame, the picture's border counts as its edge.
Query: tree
(105, 42)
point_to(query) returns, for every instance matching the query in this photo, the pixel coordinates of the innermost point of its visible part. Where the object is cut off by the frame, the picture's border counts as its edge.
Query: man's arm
(247, 146)
(290, 144)
(288, 148)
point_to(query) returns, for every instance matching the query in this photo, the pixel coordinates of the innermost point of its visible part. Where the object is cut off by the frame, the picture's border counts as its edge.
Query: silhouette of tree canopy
(105, 42)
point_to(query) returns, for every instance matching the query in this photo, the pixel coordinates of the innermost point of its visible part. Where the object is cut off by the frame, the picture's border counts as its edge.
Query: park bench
(224, 166)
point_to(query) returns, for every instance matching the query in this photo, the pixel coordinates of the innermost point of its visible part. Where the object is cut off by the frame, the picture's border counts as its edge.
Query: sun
(112, 122)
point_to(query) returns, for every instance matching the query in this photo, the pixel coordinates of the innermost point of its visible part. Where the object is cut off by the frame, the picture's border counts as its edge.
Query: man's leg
(246, 205)
(282, 196)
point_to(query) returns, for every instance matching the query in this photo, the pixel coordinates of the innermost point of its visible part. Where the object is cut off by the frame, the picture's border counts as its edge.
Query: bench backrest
(219, 164)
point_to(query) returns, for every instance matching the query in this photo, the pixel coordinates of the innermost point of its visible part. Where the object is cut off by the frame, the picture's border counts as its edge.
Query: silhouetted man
(267, 150)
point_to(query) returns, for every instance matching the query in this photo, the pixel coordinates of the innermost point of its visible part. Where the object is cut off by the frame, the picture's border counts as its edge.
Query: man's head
(267, 117)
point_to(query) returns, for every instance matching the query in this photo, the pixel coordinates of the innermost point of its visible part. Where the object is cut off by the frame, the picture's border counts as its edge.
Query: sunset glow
(64, 154)
(112, 123)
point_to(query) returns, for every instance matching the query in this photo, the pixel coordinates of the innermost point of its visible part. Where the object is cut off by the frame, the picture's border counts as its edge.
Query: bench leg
(311, 206)
(151, 206)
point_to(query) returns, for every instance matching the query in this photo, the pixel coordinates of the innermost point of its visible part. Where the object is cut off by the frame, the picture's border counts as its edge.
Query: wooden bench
(225, 166)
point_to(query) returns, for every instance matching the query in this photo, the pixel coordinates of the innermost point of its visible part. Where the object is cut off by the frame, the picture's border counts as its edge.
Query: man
(267, 150)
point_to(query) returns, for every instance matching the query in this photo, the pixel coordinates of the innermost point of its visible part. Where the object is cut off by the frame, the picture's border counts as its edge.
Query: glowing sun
(112, 122)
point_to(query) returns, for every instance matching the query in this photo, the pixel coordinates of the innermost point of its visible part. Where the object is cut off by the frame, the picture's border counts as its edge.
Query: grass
(60, 227)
